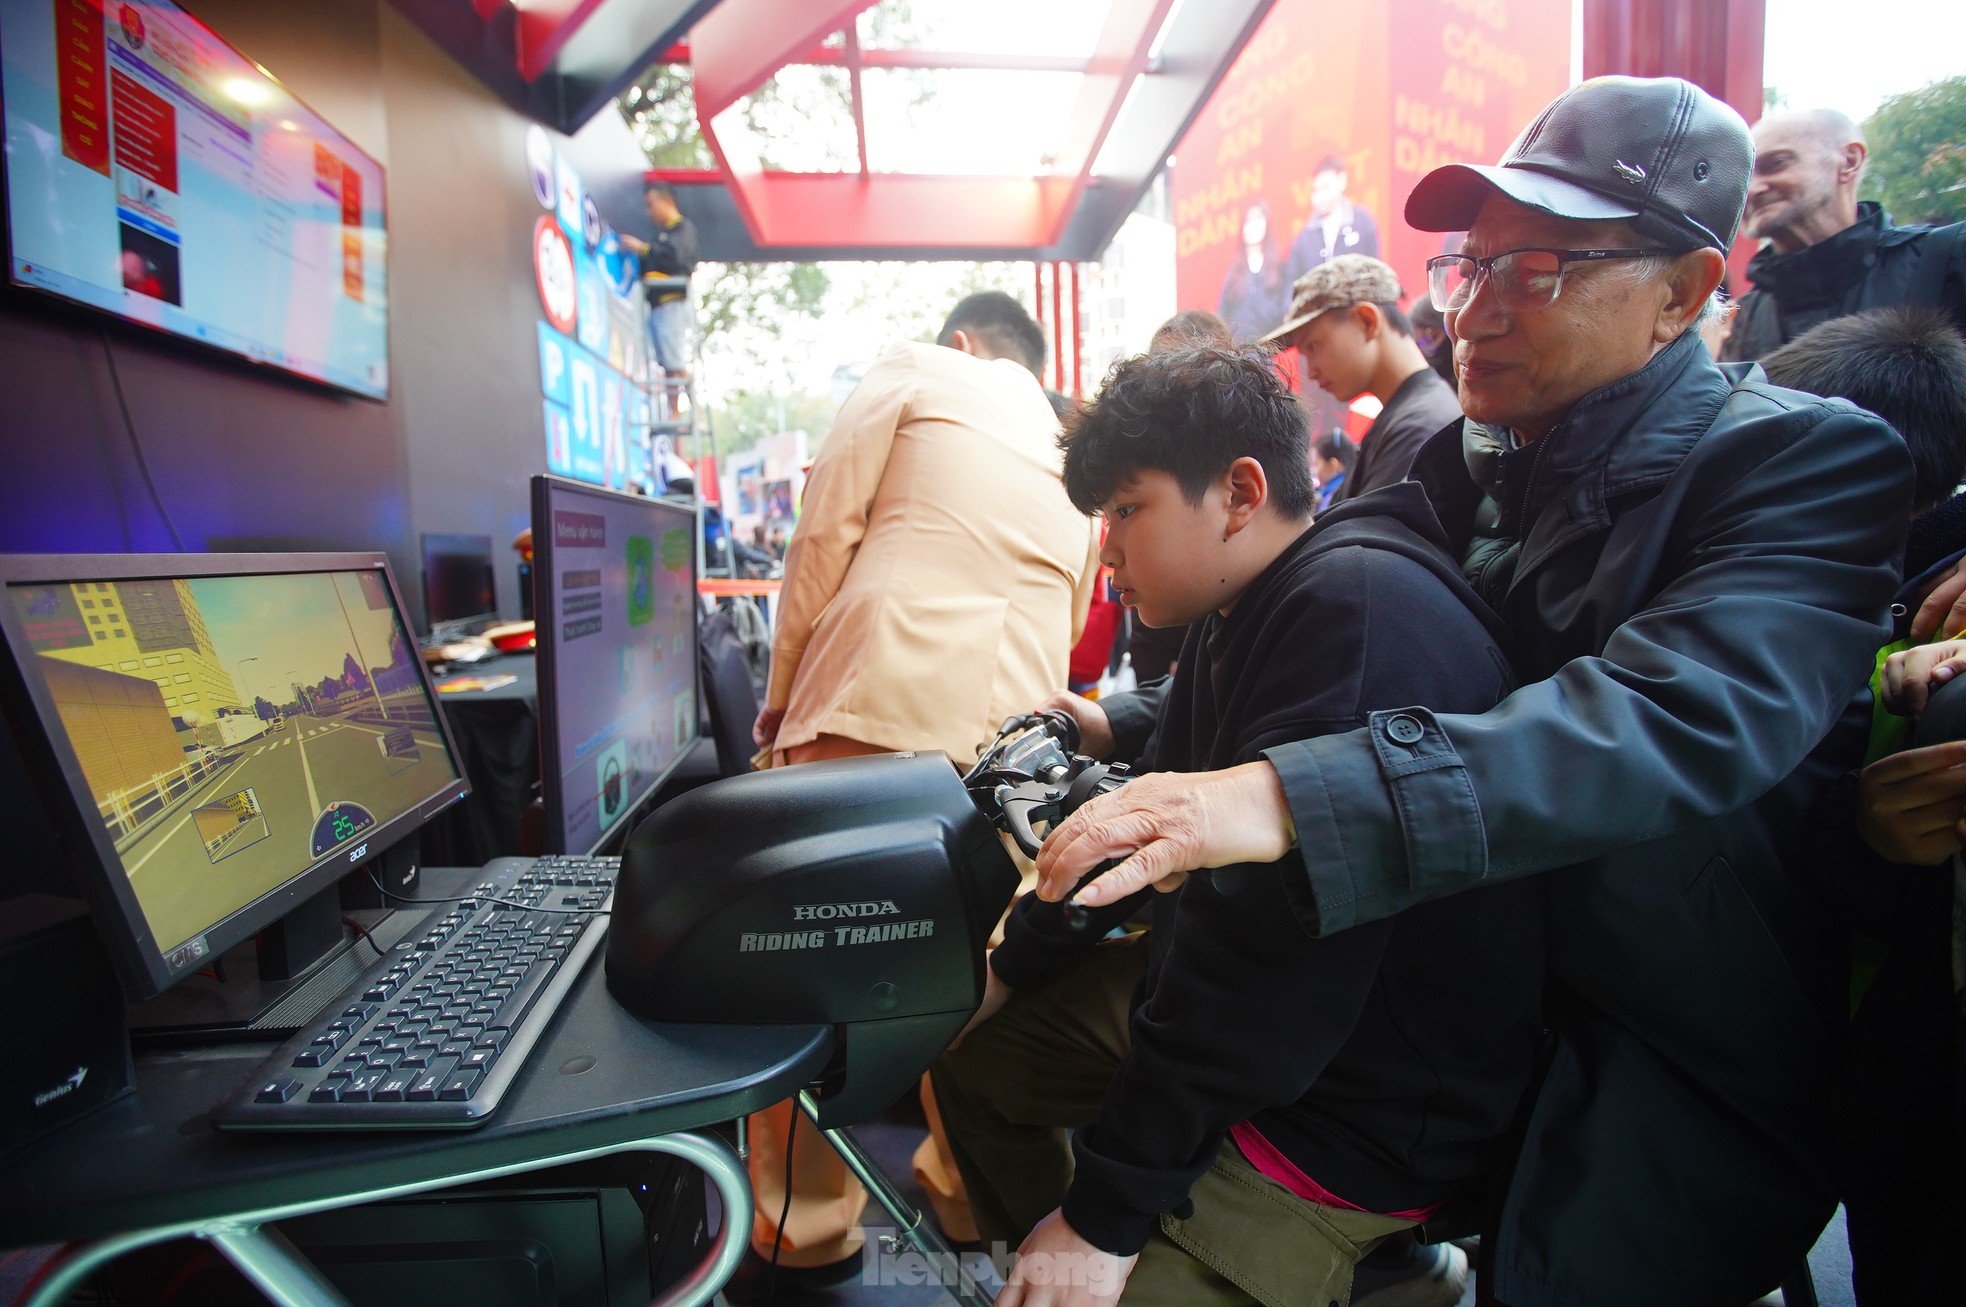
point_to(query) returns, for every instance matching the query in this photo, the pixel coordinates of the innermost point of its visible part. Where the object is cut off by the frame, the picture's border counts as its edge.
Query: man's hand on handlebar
(1165, 825)
(1095, 731)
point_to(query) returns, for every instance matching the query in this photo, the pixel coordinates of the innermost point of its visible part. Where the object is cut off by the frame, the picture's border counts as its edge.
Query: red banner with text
(1328, 119)
(81, 84)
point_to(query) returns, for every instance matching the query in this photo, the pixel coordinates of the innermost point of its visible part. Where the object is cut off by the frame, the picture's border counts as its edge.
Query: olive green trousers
(1012, 1092)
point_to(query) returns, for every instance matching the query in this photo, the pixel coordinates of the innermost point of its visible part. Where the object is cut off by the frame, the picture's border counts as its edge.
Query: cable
(380, 951)
(101, 430)
(143, 466)
(785, 1210)
(486, 898)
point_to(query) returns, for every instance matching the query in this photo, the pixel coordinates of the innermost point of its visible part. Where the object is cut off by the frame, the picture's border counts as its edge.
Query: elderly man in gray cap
(1354, 339)
(1694, 567)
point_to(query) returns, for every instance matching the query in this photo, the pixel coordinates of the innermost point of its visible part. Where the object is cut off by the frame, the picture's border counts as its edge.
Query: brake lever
(1022, 804)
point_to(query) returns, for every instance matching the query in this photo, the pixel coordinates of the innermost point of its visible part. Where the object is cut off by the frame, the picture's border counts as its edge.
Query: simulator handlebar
(1031, 774)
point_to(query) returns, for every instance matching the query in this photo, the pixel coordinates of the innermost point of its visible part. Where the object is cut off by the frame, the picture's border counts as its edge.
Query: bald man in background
(1824, 254)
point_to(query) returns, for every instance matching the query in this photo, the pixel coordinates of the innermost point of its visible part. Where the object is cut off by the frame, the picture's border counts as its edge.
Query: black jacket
(1253, 303)
(1357, 234)
(1899, 1150)
(1386, 1062)
(1869, 265)
(1705, 567)
(1422, 405)
(668, 261)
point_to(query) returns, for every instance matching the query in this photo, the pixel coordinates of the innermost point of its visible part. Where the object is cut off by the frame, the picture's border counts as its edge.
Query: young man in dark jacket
(1353, 339)
(1254, 1107)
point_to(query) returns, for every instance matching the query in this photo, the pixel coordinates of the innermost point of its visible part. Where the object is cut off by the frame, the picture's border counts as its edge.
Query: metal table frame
(279, 1270)
(911, 1228)
(148, 1167)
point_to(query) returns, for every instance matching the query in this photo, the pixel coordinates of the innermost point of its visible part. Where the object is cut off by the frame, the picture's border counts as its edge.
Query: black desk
(150, 1166)
(497, 735)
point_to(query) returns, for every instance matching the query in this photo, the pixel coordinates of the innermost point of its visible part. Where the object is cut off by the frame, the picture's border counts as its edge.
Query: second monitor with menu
(615, 583)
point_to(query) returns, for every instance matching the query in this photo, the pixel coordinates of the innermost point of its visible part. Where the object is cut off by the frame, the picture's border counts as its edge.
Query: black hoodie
(1385, 1061)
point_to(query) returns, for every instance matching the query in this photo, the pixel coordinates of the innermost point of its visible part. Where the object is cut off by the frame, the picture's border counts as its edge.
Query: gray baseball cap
(1658, 152)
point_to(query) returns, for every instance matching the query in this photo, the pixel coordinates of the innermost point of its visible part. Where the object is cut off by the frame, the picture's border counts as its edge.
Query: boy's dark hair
(1335, 444)
(1329, 163)
(664, 189)
(1001, 323)
(1908, 366)
(1189, 413)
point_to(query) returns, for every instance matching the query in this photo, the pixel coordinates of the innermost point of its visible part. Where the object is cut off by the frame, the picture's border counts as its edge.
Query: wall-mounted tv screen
(155, 173)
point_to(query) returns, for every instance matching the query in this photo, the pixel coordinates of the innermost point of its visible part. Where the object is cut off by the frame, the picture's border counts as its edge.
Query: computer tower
(69, 1051)
(610, 1232)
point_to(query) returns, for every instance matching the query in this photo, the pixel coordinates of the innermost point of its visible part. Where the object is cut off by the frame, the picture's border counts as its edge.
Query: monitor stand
(275, 983)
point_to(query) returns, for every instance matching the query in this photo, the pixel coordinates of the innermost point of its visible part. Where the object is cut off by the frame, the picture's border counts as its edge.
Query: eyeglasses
(1523, 279)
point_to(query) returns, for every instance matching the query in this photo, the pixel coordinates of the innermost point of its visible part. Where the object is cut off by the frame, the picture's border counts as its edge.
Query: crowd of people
(1555, 829)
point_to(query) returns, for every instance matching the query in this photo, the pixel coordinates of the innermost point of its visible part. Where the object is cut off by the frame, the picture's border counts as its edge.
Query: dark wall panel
(237, 460)
(241, 459)
(465, 307)
(70, 482)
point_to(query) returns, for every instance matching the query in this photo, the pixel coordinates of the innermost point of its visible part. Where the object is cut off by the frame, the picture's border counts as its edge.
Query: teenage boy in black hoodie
(1252, 1108)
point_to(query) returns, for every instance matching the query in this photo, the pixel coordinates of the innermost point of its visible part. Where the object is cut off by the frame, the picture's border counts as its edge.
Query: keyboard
(433, 1034)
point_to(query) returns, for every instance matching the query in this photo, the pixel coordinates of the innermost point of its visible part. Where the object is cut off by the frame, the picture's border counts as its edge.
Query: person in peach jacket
(938, 577)
(935, 585)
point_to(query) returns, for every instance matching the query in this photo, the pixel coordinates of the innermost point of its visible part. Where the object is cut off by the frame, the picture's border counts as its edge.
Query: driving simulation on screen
(234, 731)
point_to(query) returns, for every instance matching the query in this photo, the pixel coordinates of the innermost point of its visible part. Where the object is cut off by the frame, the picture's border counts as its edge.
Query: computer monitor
(615, 602)
(221, 737)
(458, 582)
